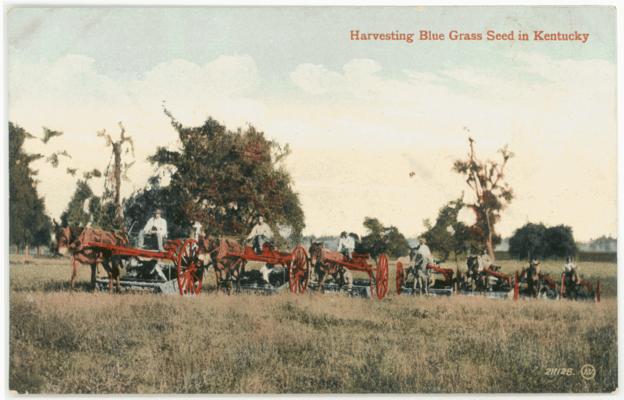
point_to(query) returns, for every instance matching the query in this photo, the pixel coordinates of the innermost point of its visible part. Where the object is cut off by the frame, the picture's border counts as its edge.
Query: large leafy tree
(225, 179)
(28, 223)
(448, 235)
(560, 241)
(486, 179)
(537, 240)
(528, 241)
(381, 239)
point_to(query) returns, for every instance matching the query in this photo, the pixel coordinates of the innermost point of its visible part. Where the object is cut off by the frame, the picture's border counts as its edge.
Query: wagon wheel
(299, 271)
(381, 277)
(400, 277)
(190, 274)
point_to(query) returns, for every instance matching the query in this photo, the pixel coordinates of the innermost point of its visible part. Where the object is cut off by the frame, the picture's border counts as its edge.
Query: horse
(533, 273)
(226, 268)
(571, 283)
(73, 240)
(321, 260)
(418, 268)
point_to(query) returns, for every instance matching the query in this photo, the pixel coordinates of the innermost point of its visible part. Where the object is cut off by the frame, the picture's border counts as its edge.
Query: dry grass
(80, 342)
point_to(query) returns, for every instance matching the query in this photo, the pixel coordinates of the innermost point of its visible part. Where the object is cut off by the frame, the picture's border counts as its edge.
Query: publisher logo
(588, 372)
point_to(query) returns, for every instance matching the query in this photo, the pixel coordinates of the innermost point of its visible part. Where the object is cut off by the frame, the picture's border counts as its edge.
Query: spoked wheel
(400, 277)
(381, 277)
(299, 271)
(190, 272)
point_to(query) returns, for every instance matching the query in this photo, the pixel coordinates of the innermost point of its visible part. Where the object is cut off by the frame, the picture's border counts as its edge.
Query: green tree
(560, 241)
(380, 239)
(448, 235)
(491, 193)
(27, 219)
(225, 179)
(528, 241)
(83, 207)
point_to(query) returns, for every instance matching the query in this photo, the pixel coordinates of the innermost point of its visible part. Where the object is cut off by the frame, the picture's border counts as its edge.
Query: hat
(158, 211)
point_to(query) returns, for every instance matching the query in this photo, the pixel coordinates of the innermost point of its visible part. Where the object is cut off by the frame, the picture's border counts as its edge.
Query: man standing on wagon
(260, 234)
(155, 225)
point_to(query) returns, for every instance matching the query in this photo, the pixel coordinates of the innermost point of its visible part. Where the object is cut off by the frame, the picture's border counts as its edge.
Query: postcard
(312, 200)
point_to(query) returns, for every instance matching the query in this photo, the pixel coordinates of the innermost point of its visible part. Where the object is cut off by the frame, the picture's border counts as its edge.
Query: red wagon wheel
(381, 277)
(190, 274)
(400, 277)
(299, 270)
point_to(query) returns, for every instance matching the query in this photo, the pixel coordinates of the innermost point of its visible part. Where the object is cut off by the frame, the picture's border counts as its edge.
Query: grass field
(82, 342)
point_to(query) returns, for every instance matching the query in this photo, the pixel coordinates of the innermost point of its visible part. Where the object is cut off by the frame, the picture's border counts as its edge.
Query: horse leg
(322, 282)
(72, 280)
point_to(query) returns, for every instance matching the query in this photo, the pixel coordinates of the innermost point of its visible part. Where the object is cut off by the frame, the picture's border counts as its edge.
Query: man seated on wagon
(569, 267)
(157, 226)
(346, 245)
(260, 234)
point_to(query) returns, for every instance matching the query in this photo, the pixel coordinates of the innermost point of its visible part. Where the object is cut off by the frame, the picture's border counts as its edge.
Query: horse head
(316, 252)
(64, 237)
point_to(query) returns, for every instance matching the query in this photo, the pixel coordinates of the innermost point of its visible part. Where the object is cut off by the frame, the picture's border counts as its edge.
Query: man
(260, 234)
(484, 261)
(420, 257)
(569, 266)
(196, 230)
(346, 245)
(154, 226)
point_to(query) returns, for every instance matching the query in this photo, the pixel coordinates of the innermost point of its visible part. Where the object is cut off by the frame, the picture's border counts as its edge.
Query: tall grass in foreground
(64, 342)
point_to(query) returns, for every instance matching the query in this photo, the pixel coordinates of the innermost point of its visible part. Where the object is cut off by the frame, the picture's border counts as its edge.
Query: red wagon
(296, 263)
(328, 260)
(185, 277)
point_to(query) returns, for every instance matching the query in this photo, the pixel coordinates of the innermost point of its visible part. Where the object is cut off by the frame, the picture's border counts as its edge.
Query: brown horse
(227, 268)
(321, 260)
(73, 240)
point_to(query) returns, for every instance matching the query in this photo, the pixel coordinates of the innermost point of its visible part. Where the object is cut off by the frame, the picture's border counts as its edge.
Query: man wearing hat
(346, 245)
(155, 225)
(260, 234)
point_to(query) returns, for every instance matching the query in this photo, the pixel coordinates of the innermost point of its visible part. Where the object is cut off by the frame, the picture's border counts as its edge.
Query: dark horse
(73, 240)
(321, 260)
(214, 251)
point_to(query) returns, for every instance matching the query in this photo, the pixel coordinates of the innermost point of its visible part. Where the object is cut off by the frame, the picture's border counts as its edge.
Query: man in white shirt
(346, 245)
(484, 261)
(196, 229)
(156, 226)
(569, 266)
(260, 234)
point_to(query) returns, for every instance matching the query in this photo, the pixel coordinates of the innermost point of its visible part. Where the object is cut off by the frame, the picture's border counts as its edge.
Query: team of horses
(325, 264)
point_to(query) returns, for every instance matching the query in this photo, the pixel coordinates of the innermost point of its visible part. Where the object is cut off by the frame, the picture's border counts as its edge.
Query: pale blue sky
(125, 42)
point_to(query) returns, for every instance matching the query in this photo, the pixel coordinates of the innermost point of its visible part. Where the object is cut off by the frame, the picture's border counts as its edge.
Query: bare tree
(116, 170)
(486, 180)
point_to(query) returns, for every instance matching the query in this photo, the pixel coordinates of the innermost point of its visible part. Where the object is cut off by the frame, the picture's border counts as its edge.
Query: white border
(4, 284)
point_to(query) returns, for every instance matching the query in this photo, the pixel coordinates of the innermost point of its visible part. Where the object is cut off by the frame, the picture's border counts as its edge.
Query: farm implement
(176, 269)
(284, 270)
(327, 263)
(441, 280)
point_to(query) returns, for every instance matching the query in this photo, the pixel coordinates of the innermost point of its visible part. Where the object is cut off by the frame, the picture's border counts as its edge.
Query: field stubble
(81, 342)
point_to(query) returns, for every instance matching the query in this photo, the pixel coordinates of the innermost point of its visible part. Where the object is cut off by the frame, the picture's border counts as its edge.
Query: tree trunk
(38, 251)
(490, 247)
(26, 252)
(117, 177)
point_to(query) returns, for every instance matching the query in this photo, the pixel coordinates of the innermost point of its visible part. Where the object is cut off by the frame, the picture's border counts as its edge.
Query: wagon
(579, 289)
(326, 260)
(443, 284)
(293, 274)
(490, 282)
(179, 267)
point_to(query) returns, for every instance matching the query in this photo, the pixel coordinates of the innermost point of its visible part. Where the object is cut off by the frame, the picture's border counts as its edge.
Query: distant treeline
(588, 256)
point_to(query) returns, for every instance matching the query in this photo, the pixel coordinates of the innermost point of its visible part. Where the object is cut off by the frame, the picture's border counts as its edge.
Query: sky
(359, 116)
